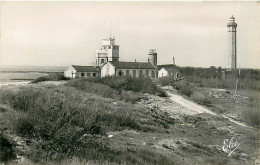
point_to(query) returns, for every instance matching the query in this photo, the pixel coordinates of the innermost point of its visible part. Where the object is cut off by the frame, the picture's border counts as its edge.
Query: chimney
(173, 61)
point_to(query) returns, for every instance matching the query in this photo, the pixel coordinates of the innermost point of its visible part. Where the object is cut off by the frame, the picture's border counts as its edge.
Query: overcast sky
(66, 33)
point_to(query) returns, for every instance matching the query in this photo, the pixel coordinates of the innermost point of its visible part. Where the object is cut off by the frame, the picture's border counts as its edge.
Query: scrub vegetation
(123, 120)
(73, 121)
(50, 77)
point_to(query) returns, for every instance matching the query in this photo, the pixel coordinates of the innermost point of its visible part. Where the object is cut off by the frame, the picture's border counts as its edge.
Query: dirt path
(197, 109)
(194, 108)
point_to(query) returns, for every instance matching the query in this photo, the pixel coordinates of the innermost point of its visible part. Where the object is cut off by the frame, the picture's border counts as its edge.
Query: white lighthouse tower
(232, 49)
(108, 52)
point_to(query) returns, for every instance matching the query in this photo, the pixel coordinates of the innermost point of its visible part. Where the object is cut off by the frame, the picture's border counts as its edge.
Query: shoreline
(5, 83)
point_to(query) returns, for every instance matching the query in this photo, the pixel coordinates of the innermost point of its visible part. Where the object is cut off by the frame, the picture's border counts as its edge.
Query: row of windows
(88, 74)
(102, 61)
(109, 47)
(141, 73)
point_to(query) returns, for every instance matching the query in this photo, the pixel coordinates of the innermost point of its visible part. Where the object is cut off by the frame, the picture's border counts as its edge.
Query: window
(127, 72)
(120, 73)
(140, 73)
(88, 74)
(109, 47)
(94, 74)
(102, 61)
(147, 73)
(153, 74)
(134, 73)
(178, 75)
(82, 74)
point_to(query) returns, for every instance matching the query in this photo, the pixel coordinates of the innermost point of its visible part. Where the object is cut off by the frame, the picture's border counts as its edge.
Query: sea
(25, 74)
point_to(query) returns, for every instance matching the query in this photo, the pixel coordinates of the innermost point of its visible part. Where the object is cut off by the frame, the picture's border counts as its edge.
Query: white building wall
(107, 70)
(108, 52)
(70, 72)
(162, 72)
(137, 72)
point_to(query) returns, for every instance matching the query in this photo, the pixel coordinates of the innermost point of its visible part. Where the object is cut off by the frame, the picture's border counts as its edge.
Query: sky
(69, 33)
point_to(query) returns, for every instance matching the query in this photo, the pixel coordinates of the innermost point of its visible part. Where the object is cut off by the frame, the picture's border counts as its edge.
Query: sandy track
(197, 109)
(194, 108)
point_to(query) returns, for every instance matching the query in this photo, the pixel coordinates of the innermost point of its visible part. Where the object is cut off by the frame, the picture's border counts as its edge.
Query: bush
(252, 117)
(213, 77)
(6, 149)
(163, 81)
(200, 98)
(24, 126)
(128, 83)
(51, 77)
(90, 87)
(104, 90)
(186, 90)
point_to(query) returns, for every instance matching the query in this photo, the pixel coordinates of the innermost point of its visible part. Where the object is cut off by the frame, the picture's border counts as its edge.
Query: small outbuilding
(134, 69)
(168, 70)
(76, 71)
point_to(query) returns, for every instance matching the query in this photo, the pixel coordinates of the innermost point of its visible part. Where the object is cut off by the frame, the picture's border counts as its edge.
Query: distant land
(9, 74)
(10, 68)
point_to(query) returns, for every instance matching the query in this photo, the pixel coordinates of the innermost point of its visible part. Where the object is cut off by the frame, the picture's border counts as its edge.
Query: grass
(252, 117)
(67, 122)
(6, 149)
(50, 77)
(138, 156)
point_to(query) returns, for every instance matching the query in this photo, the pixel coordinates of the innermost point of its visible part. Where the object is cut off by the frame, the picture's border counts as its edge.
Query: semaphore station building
(108, 64)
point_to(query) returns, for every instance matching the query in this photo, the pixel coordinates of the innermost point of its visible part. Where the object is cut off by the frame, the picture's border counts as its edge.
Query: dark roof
(170, 68)
(85, 68)
(166, 66)
(132, 65)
